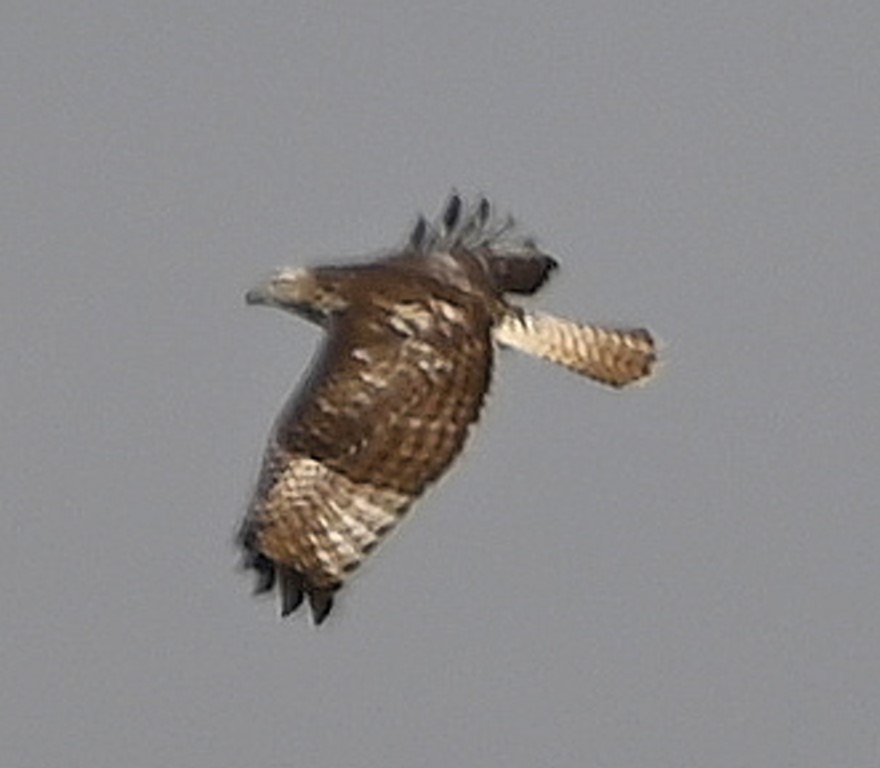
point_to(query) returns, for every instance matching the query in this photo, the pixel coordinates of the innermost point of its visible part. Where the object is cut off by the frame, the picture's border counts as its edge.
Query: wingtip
(484, 210)
(452, 211)
(321, 602)
(417, 236)
(291, 589)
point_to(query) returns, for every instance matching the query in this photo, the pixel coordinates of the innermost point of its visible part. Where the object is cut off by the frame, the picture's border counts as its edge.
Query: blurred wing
(613, 356)
(521, 274)
(394, 392)
(385, 411)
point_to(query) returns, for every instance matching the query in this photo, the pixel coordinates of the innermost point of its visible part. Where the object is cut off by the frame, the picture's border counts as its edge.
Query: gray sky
(683, 575)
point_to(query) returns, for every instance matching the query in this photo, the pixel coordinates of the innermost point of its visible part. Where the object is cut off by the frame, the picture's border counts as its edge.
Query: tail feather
(613, 356)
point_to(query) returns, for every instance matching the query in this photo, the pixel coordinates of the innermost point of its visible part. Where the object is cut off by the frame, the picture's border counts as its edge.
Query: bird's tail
(613, 356)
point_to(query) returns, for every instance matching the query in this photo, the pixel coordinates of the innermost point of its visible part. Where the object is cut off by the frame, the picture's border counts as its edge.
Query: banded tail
(613, 356)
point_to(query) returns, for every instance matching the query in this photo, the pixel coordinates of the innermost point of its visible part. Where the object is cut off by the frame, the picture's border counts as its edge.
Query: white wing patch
(318, 521)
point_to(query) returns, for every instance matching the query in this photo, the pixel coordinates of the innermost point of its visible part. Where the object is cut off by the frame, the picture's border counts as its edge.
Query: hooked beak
(287, 289)
(259, 294)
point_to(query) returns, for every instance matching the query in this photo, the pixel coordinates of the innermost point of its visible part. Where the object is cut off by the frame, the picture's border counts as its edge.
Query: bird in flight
(409, 347)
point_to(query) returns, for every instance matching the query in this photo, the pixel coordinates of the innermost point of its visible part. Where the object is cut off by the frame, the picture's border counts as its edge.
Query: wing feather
(386, 409)
(394, 393)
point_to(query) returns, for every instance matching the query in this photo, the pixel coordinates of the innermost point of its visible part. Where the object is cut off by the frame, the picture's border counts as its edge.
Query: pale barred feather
(319, 522)
(612, 356)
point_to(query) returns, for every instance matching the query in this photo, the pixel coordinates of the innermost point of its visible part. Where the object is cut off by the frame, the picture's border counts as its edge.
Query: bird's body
(401, 378)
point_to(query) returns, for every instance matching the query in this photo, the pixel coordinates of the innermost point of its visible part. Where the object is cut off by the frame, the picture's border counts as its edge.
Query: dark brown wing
(384, 412)
(523, 274)
(394, 392)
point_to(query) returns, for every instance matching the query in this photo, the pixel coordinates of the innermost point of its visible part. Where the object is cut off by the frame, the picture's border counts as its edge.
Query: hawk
(402, 375)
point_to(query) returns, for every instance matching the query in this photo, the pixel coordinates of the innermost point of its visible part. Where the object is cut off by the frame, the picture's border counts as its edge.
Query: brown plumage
(399, 382)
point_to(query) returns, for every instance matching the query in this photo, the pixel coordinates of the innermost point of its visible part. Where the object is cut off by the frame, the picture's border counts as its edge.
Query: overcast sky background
(681, 575)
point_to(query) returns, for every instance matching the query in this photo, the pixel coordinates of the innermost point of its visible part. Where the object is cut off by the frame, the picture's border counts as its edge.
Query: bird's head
(304, 292)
